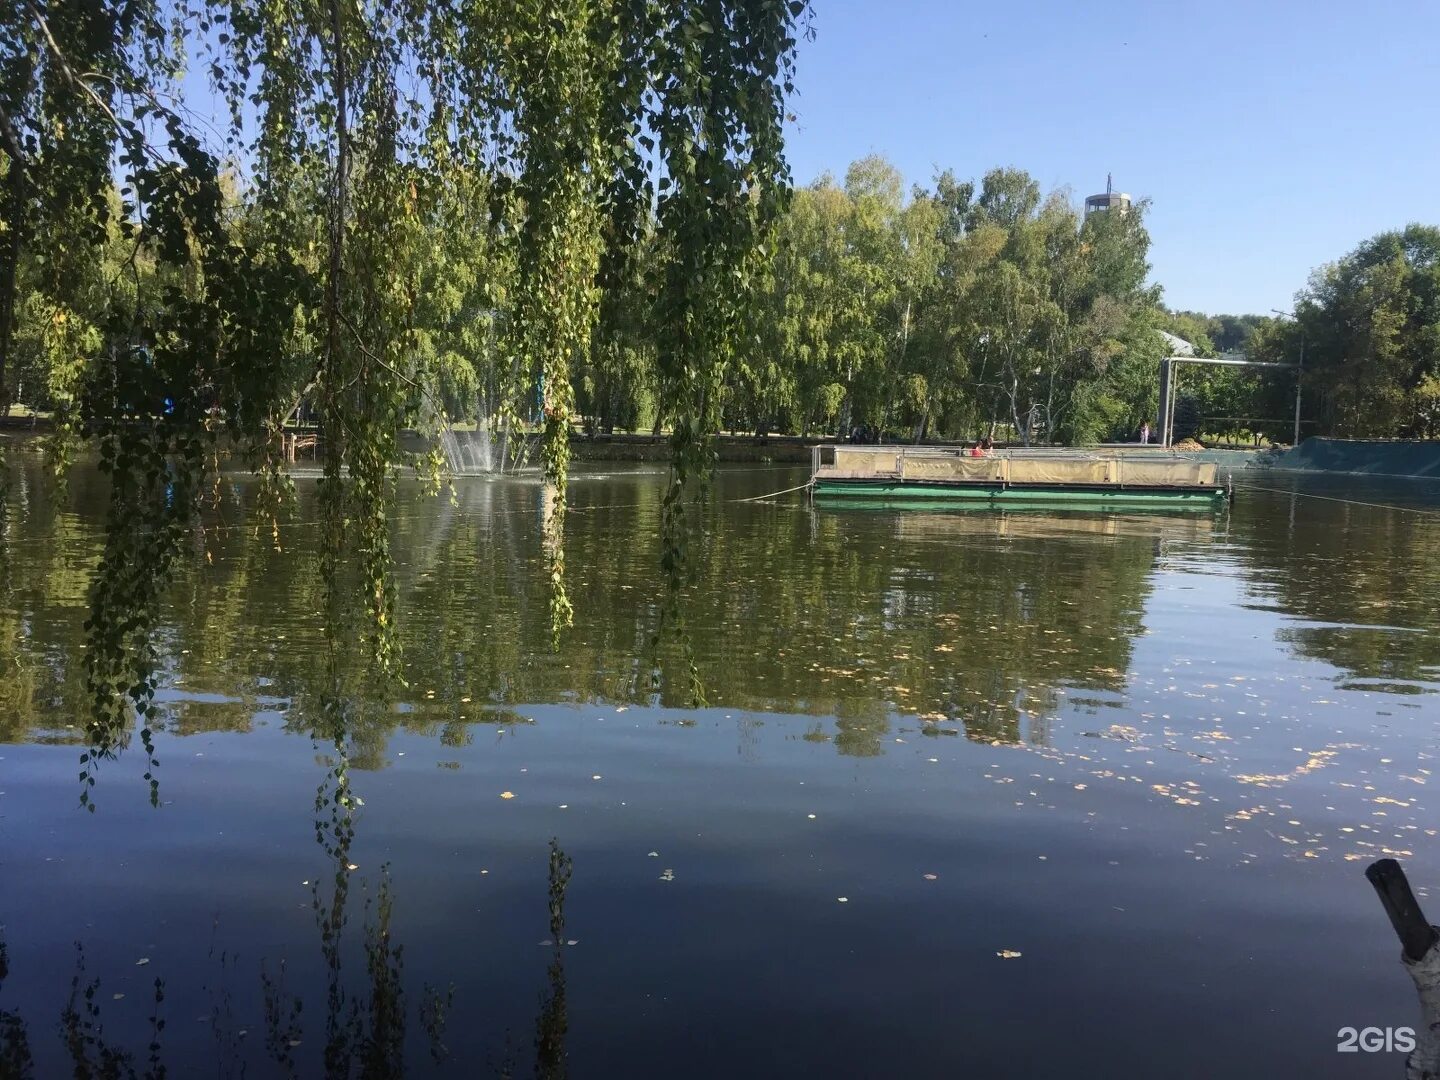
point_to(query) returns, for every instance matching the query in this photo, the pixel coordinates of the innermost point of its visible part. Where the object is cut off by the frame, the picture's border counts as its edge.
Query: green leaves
(438, 196)
(1368, 326)
(940, 314)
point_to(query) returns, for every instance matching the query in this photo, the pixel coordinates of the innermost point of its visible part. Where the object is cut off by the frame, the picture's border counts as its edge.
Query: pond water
(1003, 795)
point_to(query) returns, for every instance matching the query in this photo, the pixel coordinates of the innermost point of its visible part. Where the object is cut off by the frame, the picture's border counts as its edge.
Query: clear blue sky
(1271, 136)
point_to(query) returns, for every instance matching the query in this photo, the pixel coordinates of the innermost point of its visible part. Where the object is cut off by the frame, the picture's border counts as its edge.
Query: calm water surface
(995, 795)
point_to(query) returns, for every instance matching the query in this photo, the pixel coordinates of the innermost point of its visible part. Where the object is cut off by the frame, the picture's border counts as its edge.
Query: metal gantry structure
(1168, 381)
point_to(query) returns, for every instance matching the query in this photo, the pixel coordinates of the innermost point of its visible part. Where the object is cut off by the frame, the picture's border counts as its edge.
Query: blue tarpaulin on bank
(1377, 457)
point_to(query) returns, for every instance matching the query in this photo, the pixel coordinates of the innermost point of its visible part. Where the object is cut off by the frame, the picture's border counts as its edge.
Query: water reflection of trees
(367, 1018)
(1361, 576)
(984, 619)
(365, 1027)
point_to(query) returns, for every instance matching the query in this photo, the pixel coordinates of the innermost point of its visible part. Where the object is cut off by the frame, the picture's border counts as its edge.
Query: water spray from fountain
(486, 451)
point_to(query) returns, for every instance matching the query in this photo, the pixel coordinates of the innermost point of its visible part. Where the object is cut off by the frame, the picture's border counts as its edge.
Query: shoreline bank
(1319, 454)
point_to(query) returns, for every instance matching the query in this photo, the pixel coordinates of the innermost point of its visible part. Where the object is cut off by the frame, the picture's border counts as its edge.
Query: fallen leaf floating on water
(1008, 954)
(507, 794)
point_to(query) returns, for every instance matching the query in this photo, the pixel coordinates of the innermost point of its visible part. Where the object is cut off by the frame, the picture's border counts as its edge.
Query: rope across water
(1352, 502)
(775, 494)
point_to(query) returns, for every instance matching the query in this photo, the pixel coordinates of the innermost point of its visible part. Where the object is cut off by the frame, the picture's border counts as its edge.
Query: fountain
(471, 452)
(486, 451)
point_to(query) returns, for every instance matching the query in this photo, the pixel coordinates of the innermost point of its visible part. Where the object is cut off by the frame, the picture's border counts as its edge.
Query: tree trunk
(905, 333)
(606, 420)
(843, 423)
(342, 185)
(1050, 410)
(16, 180)
(9, 273)
(1014, 393)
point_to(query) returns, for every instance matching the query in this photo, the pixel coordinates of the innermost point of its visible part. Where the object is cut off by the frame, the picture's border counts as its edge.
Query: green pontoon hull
(982, 495)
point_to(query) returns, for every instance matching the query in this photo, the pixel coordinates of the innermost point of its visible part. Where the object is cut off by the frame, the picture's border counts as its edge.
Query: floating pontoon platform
(1058, 478)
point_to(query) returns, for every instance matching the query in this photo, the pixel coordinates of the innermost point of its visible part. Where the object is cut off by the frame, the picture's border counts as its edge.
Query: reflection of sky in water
(1150, 755)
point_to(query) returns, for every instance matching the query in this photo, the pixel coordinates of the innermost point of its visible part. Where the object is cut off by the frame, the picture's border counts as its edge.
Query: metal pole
(1299, 379)
(1166, 369)
(1170, 416)
(1170, 405)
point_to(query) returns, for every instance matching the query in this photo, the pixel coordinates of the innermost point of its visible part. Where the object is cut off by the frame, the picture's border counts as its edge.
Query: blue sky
(1270, 136)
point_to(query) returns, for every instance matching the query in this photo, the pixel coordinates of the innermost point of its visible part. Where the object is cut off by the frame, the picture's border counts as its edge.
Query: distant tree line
(965, 309)
(945, 312)
(1368, 328)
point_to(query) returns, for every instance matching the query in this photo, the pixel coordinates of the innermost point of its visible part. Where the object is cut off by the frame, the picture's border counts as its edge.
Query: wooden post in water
(1420, 945)
(1413, 929)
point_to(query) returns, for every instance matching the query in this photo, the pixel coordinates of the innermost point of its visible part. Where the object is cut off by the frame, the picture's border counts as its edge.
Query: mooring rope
(1352, 502)
(776, 494)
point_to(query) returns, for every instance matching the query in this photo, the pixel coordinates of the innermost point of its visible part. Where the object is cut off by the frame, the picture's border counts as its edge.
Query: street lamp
(1299, 369)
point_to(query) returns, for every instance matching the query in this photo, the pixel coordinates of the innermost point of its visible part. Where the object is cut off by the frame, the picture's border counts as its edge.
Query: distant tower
(1111, 200)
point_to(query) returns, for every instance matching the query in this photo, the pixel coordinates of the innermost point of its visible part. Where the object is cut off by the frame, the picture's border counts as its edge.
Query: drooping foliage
(401, 205)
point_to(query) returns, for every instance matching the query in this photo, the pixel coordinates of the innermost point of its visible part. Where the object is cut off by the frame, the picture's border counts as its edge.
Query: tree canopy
(1370, 325)
(385, 176)
(1367, 328)
(949, 312)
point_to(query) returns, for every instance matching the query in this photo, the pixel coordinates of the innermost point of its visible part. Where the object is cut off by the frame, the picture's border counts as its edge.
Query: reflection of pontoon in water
(926, 474)
(947, 522)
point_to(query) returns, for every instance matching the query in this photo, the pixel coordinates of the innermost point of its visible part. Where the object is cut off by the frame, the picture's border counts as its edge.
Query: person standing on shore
(1145, 432)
